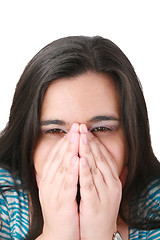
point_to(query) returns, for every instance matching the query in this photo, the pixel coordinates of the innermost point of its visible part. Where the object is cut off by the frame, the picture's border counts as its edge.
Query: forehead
(80, 98)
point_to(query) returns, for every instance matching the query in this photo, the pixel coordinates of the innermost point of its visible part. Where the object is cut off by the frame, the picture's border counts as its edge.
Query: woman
(76, 156)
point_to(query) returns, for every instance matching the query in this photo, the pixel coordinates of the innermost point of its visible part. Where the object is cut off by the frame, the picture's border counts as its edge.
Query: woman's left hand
(100, 187)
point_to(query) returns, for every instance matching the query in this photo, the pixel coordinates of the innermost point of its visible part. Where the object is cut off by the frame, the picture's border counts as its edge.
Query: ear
(123, 175)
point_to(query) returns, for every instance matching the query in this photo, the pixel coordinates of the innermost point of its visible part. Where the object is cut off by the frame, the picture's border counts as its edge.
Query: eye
(101, 129)
(54, 131)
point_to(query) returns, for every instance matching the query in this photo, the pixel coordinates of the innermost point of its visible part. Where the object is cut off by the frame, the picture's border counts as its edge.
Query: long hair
(69, 57)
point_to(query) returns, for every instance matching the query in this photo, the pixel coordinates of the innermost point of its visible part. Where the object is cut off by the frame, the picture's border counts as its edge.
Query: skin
(81, 139)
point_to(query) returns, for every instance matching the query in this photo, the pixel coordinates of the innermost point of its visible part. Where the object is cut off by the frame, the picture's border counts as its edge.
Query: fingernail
(84, 162)
(84, 137)
(83, 128)
(74, 127)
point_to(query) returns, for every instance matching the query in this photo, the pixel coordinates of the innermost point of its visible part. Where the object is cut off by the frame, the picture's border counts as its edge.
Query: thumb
(37, 178)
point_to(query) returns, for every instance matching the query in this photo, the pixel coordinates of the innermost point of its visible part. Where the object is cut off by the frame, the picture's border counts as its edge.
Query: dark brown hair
(68, 57)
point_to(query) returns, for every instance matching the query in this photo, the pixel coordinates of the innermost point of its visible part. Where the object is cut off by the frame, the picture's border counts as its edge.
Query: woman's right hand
(58, 189)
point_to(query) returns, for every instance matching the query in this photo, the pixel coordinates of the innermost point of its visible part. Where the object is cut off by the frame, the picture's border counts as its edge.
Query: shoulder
(144, 234)
(149, 202)
(153, 188)
(150, 197)
(145, 207)
(14, 212)
(5, 178)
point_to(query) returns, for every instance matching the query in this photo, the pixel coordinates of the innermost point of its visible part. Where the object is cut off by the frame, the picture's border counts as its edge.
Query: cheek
(118, 155)
(116, 148)
(40, 155)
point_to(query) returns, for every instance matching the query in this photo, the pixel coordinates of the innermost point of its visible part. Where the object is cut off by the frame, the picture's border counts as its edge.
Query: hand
(100, 189)
(58, 189)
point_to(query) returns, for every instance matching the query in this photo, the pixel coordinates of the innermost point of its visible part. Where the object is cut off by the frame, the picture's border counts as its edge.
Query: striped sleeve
(14, 212)
(149, 207)
(136, 234)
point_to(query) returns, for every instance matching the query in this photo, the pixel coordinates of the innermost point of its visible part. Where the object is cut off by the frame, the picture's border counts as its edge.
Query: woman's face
(91, 99)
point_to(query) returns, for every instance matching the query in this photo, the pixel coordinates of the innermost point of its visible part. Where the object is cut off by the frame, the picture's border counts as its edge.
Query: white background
(134, 25)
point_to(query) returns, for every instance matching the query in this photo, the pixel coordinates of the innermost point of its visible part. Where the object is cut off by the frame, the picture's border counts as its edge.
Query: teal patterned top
(148, 207)
(14, 210)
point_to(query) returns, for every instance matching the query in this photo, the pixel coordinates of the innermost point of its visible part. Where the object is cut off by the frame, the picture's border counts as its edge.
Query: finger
(37, 178)
(96, 175)
(68, 188)
(107, 173)
(64, 173)
(69, 144)
(102, 157)
(87, 186)
(92, 149)
(55, 156)
(85, 151)
(103, 149)
(58, 170)
(106, 179)
(92, 139)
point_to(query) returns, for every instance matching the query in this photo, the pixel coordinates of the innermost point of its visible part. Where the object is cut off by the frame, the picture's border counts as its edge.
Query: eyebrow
(92, 120)
(103, 118)
(50, 122)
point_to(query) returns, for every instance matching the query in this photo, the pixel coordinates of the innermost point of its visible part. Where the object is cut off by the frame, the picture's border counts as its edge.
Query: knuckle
(62, 169)
(67, 186)
(69, 149)
(94, 171)
(100, 158)
(86, 150)
(69, 171)
(90, 138)
(89, 186)
(57, 157)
